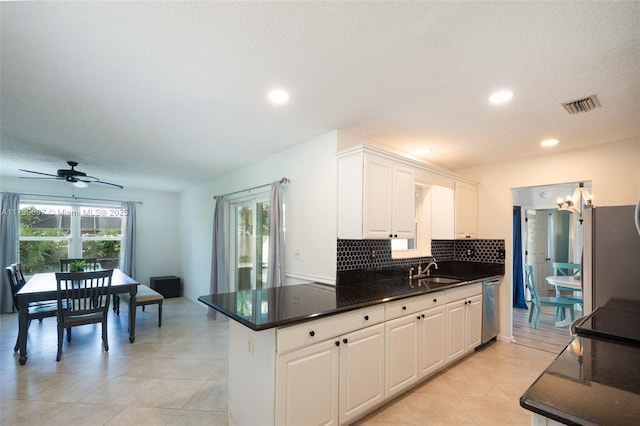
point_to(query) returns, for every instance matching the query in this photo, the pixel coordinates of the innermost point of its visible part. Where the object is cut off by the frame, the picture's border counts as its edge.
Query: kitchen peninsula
(318, 354)
(596, 379)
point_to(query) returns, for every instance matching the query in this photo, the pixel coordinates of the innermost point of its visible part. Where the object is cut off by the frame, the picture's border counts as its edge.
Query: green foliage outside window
(44, 255)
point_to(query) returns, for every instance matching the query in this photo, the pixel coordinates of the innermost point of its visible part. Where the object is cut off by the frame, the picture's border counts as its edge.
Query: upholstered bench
(144, 296)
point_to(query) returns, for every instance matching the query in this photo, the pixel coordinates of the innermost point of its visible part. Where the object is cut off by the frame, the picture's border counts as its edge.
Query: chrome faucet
(427, 270)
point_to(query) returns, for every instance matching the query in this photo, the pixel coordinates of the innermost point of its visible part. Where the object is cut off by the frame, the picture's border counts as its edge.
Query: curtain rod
(283, 181)
(73, 197)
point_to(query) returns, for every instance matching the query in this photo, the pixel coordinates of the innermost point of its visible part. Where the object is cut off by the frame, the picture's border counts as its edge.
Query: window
(421, 245)
(249, 231)
(50, 232)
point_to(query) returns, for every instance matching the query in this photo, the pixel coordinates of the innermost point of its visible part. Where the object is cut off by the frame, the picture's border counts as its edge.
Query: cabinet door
(404, 203)
(442, 213)
(456, 324)
(474, 322)
(401, 354)
(361, 372)
(466, 210)
(378, 186)
(432, 331)
(307, 385)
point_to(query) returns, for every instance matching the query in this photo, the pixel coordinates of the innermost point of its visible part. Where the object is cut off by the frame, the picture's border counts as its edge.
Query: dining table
(43, 287)
(562, 282)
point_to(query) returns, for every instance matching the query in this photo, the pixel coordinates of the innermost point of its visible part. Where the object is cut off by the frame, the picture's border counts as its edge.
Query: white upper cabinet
(442, 213)
(466, 210)
(376, 197)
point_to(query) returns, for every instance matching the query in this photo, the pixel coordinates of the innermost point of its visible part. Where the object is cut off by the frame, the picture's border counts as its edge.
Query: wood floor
(547, 337)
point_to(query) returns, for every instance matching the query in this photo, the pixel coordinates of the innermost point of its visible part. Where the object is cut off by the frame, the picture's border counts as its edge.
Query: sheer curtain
(219, 265)
(129, 258)
(275, 268)
(9, 228)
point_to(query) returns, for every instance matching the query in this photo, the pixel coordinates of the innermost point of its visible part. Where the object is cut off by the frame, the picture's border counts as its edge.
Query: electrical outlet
(250, 345)
(296, 254)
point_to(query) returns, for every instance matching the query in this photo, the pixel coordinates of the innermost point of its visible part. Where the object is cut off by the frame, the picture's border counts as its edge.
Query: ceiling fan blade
(108, 183)
(38, 173)
(47, 178)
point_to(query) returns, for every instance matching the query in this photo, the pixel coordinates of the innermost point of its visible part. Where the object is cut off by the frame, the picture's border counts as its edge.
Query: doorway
(548, 235)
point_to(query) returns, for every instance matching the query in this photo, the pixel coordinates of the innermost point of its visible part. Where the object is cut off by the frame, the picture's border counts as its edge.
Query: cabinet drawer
(463, 292)
(411, 305)
(314, 331)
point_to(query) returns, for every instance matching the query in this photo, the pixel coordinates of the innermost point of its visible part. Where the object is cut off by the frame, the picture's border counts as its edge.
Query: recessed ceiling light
(278, 96)
(424, 151)
(501, 97)
(549, 142)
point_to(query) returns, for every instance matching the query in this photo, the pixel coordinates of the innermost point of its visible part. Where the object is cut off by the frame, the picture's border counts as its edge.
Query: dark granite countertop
(596, 379)
(288, 305)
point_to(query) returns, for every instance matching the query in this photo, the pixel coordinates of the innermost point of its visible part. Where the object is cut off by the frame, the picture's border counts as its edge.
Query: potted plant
(78, 266)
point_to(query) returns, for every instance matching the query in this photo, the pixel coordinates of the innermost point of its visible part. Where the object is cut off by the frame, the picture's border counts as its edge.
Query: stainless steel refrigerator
(611, 263)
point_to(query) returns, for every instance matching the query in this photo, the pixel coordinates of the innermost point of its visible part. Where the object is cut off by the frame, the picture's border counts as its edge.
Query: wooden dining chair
(35, 310)
(83, 298)
(537, 301)
(92, 264)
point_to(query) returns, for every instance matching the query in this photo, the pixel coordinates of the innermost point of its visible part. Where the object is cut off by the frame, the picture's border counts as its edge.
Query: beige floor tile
(143, 416)
(168, 393)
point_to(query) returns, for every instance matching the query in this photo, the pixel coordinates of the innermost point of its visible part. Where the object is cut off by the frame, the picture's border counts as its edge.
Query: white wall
(157, 217)
(310, 201)
(613, 169)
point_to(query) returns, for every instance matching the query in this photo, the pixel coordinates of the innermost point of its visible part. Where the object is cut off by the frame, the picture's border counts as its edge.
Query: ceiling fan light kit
(75, 177)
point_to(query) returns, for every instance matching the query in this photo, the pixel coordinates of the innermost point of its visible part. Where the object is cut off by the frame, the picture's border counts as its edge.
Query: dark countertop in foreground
(287, 305)
(594, 381)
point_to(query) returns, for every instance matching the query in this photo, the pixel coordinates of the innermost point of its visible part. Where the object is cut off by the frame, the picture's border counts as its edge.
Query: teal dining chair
(537, 301)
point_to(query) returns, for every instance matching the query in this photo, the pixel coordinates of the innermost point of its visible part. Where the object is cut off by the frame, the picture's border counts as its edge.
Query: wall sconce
(576, 203)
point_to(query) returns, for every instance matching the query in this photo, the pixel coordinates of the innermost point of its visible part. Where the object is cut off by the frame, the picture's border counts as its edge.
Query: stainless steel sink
(437, 282)
(441, 280)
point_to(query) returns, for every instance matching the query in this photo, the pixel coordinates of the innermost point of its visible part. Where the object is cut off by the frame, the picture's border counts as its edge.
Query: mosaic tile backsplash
(360, 254)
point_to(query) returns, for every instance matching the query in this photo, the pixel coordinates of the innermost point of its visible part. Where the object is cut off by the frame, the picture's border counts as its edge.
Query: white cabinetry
(463, 320)
(466, 210)
(335, 380)
(376, 197)
(442, 213)
(414, 342)
(361, 372)
(335, 370)
(433, 335)
(308, 385)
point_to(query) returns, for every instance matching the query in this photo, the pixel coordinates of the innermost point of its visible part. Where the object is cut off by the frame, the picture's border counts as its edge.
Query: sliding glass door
(249, 242)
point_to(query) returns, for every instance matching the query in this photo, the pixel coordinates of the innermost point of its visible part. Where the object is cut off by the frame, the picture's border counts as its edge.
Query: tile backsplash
(360, 254)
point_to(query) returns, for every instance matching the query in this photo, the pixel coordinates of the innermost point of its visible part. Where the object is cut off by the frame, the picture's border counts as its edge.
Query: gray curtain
(9, 229)
(129, 259)
(219, 264)
(275, 263)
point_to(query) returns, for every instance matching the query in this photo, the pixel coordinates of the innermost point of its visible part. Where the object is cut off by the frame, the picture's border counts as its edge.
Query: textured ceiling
(167, 95)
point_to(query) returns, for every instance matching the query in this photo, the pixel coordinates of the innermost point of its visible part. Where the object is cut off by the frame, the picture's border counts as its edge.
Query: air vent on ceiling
(582, 105)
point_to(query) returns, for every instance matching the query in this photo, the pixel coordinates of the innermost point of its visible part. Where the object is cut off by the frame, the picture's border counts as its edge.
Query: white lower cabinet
(335, 370)
(414, 344)
(332, 382)
(401, 354)
(307, 386)
(361, 372)
(433, 338)
(463, 325)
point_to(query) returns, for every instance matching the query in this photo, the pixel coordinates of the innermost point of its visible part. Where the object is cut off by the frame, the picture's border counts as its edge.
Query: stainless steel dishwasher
(490, 305)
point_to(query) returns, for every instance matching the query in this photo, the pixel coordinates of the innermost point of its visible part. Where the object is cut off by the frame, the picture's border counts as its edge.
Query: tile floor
(177, 375)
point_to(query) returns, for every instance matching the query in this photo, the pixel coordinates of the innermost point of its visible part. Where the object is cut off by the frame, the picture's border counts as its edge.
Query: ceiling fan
(75, 177)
